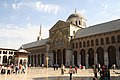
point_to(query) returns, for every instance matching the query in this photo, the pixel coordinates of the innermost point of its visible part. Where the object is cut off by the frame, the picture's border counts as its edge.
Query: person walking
(75, 69)
(62, 69)
(95, 71)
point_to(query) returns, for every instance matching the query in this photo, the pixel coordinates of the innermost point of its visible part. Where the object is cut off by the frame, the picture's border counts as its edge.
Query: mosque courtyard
(38, 73)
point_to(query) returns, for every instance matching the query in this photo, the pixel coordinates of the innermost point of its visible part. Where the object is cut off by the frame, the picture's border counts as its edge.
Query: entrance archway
(54, 57)
(42, 58)
(64, 56)
(28, 59)
(10, 60)
(31, 60)
(39, 59)
(75, 58)
(91, 57)
(4, 59)
(34, 60)
(59, 57)
(82, 53)
(111, 55)
(21, 62)
(100, 55)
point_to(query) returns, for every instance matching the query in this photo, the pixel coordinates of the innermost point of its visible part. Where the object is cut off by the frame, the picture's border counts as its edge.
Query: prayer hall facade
(70, 42)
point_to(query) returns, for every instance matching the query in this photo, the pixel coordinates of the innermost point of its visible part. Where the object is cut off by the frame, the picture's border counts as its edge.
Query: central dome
(77, 19)
(75, 15)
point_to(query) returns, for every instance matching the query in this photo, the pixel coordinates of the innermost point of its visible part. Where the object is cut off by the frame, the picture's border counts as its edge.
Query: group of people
(10, 69)
(104, 72)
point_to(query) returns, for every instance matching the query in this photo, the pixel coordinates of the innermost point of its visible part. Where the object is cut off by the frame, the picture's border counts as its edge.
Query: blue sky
(20, 20)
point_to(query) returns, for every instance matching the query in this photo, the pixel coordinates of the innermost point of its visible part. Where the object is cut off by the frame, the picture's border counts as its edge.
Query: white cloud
(38, 5)
(13, 36)
(28, 18)
(105, 6)
(16, 6)
(46, 7)
(5, 5)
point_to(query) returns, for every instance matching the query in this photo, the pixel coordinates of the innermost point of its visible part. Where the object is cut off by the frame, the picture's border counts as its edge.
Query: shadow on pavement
(74, 78)
(62, 78)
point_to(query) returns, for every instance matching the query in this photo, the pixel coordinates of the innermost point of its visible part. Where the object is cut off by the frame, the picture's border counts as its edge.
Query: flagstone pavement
(37, 73)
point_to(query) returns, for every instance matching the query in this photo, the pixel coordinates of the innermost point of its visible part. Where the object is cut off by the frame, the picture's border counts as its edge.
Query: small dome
(22, 50)
(75, 15)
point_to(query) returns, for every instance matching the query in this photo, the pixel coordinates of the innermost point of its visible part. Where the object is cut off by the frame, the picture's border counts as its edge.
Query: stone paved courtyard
(50, 74)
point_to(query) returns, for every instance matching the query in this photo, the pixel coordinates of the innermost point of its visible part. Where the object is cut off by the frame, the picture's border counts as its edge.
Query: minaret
(75, 10)
(39, 37)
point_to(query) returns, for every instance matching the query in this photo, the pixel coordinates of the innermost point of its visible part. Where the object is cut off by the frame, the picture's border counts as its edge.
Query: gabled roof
(8, 49)
(100, 28)
(35, 44)
(60, 24)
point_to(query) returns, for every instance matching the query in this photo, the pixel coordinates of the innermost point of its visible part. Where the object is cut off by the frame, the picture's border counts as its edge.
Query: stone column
(95, 58)
(73, 60)
(36, 59)
(40, 60)
(68, 57)
(86, 58)
(117, 57)
(106, 60)
(1, 60)
(33, 60)
(56, 58)
(62, 58)
(30, 59)
(78, 59)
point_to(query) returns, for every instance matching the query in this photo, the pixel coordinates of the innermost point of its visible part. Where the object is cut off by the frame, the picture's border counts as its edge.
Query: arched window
(76, 45)
(118, 38)
(97, 42)
(102, 41)
(113, 39)
(88, 43)
(76, 23)
(107, 40)
(84, 44)
(79, 22)
(92, 42)
(80, 44)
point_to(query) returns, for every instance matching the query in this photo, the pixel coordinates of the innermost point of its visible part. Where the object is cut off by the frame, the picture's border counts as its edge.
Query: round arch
(54, 57)
(31, 60)
(10, 60)
(39, 59)
(100, 55)
(35, 60)
(75, 58)
(82, 53)
(111, 55)
(64, 56)
(59, 57)
(28, 59)
(4, 59)
(91, 57)
(42, 59)
(21, 62)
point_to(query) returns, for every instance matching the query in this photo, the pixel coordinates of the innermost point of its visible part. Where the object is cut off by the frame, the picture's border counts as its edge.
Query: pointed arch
(111, 55)
(91, 57)
(82, 53)
(100, 55)
(59, 57)
(64, 56)
(42, 58)
(54, 57)
(75, 57)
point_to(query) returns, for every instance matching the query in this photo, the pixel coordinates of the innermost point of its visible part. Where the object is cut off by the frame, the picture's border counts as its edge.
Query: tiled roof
(35, 44)
(100, 28)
